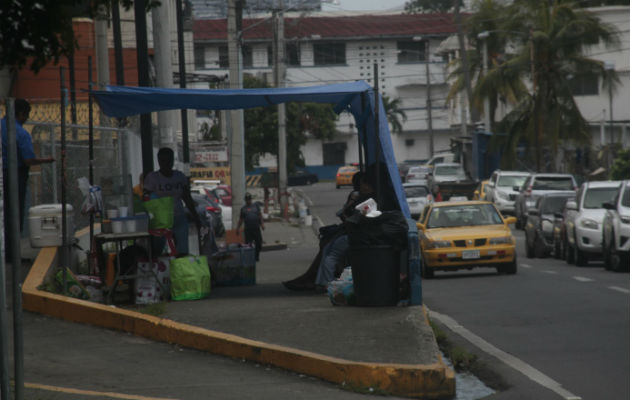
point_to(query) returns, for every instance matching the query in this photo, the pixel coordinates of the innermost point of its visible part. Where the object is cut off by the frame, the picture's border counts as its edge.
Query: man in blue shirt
(25, 157)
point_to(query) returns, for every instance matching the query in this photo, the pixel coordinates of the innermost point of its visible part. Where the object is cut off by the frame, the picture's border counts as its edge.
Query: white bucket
(308, 220)
(117, 226)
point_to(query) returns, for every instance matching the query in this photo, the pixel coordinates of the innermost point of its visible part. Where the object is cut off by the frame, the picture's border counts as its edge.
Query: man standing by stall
(252, 217)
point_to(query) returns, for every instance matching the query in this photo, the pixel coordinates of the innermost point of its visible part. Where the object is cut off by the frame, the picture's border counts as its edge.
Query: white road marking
(582, 279)
(619, 289)
(548, 271)
(516, 363)
(525, 265)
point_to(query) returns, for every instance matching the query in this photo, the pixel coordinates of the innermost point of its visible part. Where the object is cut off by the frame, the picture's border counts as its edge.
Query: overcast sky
(364, 5)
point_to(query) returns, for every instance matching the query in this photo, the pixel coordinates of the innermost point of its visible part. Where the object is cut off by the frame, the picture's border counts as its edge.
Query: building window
(292, 53)
(200, 57)
(584, 85)
(248, 58)
(411, 52)
(223, 57)
(329, 53)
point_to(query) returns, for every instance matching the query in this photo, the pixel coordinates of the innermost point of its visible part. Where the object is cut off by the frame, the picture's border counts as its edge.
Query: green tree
(40, 31)
(620, 168)
(394, 113)
(430, 6)
(550, 39)
(261, 128)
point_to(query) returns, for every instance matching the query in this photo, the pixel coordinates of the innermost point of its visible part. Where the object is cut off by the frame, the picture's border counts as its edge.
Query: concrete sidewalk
(389, 349)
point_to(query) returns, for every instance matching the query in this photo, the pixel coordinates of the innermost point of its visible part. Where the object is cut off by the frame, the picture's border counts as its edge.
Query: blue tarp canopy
(354, 97)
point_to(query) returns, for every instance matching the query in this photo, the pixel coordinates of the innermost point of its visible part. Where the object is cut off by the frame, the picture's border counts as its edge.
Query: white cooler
(44, 223)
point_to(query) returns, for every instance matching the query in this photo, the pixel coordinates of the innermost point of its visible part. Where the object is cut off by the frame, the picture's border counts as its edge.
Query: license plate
(470, 254)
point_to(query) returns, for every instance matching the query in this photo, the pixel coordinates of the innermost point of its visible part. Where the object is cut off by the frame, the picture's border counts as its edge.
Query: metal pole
(429, 104)
(91, 142)
(16, 259)
(4, 325)
(279, 81)
(486, 100)
(364, 130)
(143, 80)
(377, 143)
(118, 53)
(64, 240)
(182, 80)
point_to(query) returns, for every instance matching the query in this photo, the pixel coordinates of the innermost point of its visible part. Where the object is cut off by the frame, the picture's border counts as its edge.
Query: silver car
(584, 228)
(535, 186)
(418, 195)
(500, 189)
(616, 230)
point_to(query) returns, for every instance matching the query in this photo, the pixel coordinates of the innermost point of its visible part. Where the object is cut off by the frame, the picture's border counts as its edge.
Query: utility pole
(143, 80)
(181, 52)
(486, 101)
(465, 65)
(102, 54)
(237, 136)
(164, 69)
(429, 104)
(278, 69)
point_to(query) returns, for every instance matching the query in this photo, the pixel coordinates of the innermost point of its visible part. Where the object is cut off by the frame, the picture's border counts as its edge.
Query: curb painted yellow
(427, 381)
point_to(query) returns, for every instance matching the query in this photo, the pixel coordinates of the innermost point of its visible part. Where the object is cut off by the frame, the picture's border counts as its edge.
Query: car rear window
(553, 205)
(448, 170)
(596, 197)
(511, 181)
(348, 169)
(548, 183)
(416, 191)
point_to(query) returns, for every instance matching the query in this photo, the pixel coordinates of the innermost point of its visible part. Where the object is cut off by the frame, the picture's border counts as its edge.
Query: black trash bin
(375, 275)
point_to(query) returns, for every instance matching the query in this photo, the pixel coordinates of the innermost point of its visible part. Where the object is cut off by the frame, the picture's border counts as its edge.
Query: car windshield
(552, 205)
(625, 200)
(596, 197)
(511, 181)
(448, 170)
(463, 215)
(416, 191)
(419, 170)
(549, 183)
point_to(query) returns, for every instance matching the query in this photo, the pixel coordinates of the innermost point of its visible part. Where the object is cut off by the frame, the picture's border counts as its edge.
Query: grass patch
(461, 359)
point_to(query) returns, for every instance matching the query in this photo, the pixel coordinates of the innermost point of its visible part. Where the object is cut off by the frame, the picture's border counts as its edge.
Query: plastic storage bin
(376, 275)
(44, 223)
(234, 266)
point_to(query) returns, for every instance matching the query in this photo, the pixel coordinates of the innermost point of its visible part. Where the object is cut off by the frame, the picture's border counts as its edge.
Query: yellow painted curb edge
(432, 381)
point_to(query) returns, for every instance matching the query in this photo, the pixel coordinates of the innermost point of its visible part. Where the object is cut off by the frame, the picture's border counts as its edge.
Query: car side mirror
(608, 206)
(533, 212)
(510, 220)
(571, 205)
(420, 226)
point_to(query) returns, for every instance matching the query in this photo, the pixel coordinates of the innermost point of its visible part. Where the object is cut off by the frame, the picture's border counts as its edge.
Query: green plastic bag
(160, 212)
(190, 278)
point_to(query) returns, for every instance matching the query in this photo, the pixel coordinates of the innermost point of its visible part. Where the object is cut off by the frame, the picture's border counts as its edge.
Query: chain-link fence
(110, 166)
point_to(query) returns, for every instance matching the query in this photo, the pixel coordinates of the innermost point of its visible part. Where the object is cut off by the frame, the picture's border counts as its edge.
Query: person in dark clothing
(251, 217)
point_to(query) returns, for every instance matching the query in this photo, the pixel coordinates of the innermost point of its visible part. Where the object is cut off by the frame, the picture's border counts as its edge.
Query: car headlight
(502, 195)
(437, 244)
(589, 224)
(547, 226)
(501, 240)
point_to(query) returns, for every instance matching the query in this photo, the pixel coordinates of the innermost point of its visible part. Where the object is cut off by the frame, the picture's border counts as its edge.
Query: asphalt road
(552, 331)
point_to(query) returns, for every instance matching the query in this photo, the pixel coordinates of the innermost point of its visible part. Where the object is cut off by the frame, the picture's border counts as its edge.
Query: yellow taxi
(480, 192)
(464, 235)
(345, 174)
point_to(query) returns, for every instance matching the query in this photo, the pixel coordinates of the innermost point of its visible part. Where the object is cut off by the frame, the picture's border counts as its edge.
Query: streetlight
(486, 101)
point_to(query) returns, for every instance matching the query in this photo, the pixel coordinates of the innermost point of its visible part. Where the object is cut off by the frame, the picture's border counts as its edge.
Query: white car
(226, 211)
(418, 195)
(584, 229)
(417, 174)
(616, 230)
(500, 189)
(447, 172)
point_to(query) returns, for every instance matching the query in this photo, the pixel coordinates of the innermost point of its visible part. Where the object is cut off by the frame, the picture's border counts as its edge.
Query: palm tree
(550, 53)
(394, 113)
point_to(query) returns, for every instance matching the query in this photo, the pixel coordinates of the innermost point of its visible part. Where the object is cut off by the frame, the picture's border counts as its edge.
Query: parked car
(302, 177)
(453, 182)
(418, 196)
(535, 186)
(539, 231)
(211, 211)
(418, 174)
(501, 191)
(226, 211)
(616, 230)
(560, 242)
(464, 235)
(584, 229)
(224, 194)
(344, 175)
